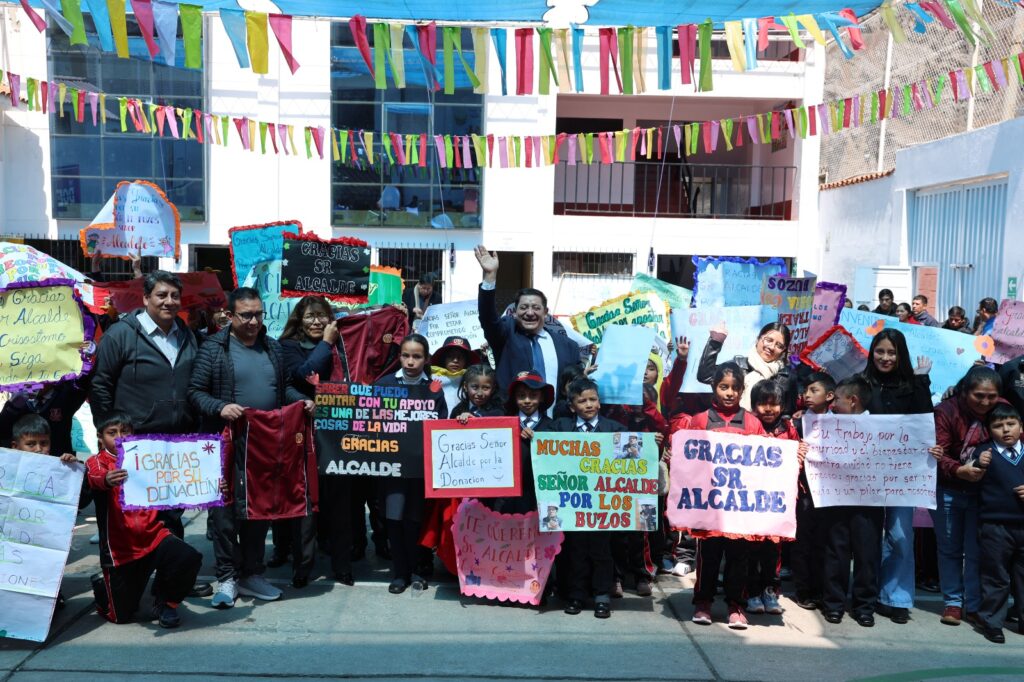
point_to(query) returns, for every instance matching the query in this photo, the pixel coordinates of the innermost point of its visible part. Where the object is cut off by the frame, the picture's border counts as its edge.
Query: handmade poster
(38, 507)
(733, 485)
(675, 296)
(836, 353)
(21, 263)
(251, 245)
(870, 460)
(442, 320)
(829, 299)
(201, 290)
(792, 297)
(171, 471)
(138, 218)
(368, 430)
(730, 281)
(266, 279)
(596, 481)
(643, 310)
(44, 335)
(952, 353)
(743, 322)
(478, 459)
(386, 287)
(1008, 332)
(502, 556)
(338, 268)
(621, 363)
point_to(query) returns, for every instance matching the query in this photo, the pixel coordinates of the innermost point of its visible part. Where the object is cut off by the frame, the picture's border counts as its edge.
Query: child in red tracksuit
(763, 582)
(727, 416)
(134, 544)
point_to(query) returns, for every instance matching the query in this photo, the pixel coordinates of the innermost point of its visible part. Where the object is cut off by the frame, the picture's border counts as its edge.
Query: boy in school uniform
(805, 556)
(134, 544)
(1001, 522)
(589, 553)
(851, 532)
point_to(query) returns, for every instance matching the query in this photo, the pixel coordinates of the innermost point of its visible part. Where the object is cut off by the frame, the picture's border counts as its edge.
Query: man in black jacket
(241, 367)
(523, 342)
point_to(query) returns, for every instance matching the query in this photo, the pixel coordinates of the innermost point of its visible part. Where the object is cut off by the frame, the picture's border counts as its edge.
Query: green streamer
(704, 33)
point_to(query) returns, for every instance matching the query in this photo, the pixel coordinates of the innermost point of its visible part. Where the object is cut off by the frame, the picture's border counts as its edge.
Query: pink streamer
(503, 151)
(715, 127)
(242, 126)
(524, 61)
(686, 36)
(273, 137)
(538, 153)
(161, 117)
(572, 149)
(678, 132)
(318, 139)
(94, 100)
(172, 121)
(144, 15)
(442, 160)
(53, 98)
(752, 129)
(467, 157)
(789, 124)
(282, 134)
(823, 119)
(281, 25)
(14, 80)
(36, 20)
(357, 25)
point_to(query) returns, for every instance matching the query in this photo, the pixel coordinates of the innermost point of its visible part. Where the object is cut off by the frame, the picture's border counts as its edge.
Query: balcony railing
(675, 189)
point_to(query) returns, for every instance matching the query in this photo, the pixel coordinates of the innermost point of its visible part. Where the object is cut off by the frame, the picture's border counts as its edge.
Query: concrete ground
(329, 631)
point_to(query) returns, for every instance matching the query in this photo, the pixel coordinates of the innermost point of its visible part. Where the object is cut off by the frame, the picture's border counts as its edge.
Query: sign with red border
(477, 459)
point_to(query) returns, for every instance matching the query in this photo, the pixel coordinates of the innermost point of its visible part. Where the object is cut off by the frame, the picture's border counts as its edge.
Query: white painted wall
(866, 224)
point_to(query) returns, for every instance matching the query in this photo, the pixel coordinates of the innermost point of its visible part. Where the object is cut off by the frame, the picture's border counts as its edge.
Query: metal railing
(675, 189)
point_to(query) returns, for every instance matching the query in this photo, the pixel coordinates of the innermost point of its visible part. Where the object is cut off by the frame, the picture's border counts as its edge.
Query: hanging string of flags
(367, 149)
(556, 58)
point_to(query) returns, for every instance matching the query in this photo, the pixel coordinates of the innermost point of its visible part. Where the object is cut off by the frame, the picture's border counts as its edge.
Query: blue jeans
(896, 578)
(956, 534)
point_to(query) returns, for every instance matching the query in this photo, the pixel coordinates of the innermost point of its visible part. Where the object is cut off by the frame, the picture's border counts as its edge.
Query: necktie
(538, 357)
(526, 423)
(586, 427)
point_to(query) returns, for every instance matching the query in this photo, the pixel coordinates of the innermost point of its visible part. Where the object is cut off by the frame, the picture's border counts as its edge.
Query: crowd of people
(156, 374)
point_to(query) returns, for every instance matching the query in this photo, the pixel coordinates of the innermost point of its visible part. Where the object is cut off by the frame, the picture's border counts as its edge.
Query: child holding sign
(479, 395)
(727, 416)
(1001, 517)
(588, 553)
(529, 399)
(134, 544)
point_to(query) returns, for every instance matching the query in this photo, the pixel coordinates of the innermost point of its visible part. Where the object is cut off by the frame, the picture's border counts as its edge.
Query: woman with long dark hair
(897, 387)
(959, 429)
(766, 360)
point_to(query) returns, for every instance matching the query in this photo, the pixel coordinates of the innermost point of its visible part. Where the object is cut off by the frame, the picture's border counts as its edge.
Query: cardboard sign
(621, 363)
(596, 481)
(792, 297)
(870, 460)
(952, 353)
(675, 296)
(338, 269)
(1008, 332)
(251, 245)
(201, 290)
(732, 281)
(728, 484)
(38, 507)
(138, 218)
(368, 430)
(502, 556)
(837, 353)
(479, 459)
(171, 471)
(42, 333)
(828, 302)
(642, 310)
(442, 320)
(21, 263)
(743, 322)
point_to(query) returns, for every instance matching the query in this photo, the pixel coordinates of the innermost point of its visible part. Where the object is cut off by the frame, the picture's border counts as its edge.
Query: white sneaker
(226, 594)
(258, 587)
(681, 569)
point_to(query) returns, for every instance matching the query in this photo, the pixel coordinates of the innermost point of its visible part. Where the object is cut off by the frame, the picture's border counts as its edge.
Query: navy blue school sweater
(997, 502)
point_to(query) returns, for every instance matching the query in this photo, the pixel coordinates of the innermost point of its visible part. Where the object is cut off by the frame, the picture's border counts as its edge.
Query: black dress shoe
(899, 616)
(277, 560)
(602, 609)
(345, 579)
(398, 586)
(834, 617)
(201, 589)
(994, 635)
(807, 603)
(865, 620)
(358, 553)
(574, 607)
(300, 581)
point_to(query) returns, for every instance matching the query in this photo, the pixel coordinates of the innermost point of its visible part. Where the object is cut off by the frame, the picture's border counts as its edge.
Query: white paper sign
(452, 319)
(139, 218)
(870, 460)
(478, 460)
(171, 471)
(38, 505)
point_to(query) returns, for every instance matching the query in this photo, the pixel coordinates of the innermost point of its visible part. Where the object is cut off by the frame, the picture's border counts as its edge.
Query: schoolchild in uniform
(479, 395)
(589, 553)
(727, 416)
(403, 497)
(449, 365)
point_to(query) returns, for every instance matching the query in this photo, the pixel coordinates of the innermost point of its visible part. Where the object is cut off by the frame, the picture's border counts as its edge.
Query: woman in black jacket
(766, 360)
(897, 387)
(309, 342)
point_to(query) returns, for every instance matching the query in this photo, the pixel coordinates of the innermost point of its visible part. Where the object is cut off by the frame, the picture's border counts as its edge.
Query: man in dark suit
(522, 342)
